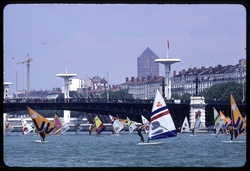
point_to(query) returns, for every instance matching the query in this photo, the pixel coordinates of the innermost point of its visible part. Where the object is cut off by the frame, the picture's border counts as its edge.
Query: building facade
(142, 87)
(146, 65)
(183, 82)
(6, 90)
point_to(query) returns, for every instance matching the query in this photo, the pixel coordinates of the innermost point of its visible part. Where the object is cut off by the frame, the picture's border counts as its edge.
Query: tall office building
(146, 65)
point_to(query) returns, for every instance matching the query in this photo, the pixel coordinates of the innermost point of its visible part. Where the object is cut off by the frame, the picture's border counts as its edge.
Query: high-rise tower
(146, 65)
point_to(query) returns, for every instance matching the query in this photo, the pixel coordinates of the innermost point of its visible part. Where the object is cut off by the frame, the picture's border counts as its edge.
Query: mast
(232, 115)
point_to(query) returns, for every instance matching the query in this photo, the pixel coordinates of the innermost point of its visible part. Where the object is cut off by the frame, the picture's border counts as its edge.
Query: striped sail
(41, 123)
(58, 124)
(216, 117)
(161, 123)
(26, 127)
(238, 122)
(226, 123)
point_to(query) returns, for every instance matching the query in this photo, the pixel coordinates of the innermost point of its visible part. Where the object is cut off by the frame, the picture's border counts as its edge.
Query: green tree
(120, 94)
(221, 92)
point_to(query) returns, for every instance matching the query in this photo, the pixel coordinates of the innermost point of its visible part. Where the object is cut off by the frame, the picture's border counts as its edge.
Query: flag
(168, 44)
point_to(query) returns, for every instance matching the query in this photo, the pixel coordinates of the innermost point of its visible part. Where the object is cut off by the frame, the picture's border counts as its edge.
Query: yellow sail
(99, 127)
(238, 122)
(41, 123)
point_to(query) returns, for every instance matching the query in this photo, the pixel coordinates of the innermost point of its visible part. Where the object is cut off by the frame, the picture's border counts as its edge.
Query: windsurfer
(231, 129)
(193, 131)
(140, 134)
(42, 134)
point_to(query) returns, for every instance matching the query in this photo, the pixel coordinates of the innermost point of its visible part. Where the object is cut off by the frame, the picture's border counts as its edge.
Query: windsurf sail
(117, 125)
(145, 124)
(226, 122)
(8, 127)
(58, 124)
(26, 127)
(161, 123)
(131, 125)
(216, 117)
(185, 125)
(43, 126)
(97, 125)
(218, 121)
(78, 127)
(65, 126)
(92, 128)
(197, 121)
(238, 123)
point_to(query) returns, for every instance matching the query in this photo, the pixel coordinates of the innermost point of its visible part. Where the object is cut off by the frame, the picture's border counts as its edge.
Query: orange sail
(238, 122)
(41, 123)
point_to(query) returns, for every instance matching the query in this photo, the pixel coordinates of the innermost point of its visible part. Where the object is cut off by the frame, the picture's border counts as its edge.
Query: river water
(83, 150)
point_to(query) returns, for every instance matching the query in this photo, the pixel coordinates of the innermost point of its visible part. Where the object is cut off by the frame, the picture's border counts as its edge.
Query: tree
(221, 92)
(120, 94)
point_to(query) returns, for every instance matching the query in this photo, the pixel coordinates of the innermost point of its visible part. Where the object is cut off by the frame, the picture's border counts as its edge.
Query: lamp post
(107, 87)
(196, 81)
(241, 70)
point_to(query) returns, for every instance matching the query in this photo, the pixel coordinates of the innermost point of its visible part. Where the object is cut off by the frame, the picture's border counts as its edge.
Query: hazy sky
(101, 39)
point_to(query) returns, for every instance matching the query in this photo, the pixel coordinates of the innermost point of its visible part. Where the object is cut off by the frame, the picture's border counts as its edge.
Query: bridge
(133, 110)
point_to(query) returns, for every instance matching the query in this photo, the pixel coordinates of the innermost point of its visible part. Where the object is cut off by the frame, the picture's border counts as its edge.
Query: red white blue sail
(161, 122)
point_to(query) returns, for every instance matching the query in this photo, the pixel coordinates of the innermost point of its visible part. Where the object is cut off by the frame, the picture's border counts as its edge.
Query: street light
(241, 70)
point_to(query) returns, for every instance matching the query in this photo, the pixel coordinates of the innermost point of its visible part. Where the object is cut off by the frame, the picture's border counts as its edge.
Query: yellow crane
(28, 60)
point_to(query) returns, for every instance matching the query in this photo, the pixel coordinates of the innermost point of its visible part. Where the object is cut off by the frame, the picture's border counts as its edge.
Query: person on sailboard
(140, 134)
(193, 131)
(231, 129)
(42, 134)
(89, 130)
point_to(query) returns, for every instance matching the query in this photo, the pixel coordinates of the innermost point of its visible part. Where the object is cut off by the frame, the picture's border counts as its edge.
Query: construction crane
(28, 60)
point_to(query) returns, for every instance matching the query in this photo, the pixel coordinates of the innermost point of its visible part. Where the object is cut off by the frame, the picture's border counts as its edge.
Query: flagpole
(167, 48)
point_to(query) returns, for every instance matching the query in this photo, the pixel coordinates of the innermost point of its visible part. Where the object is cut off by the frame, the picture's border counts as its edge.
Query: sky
(106, 39)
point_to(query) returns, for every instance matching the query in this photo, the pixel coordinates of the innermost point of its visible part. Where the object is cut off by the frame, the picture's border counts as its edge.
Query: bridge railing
(46, 100)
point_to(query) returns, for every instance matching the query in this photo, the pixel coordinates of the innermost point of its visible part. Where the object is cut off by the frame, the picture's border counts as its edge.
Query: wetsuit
(139, 133)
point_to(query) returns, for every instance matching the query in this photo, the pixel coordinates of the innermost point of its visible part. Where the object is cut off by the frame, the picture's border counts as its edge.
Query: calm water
(82, 150)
